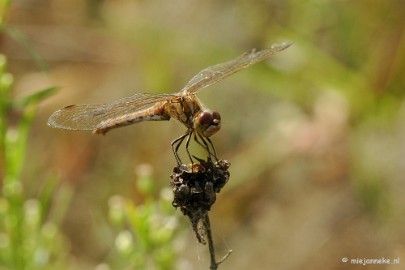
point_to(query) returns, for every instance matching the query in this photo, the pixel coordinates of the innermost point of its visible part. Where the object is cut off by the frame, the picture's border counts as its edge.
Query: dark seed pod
(195, 187)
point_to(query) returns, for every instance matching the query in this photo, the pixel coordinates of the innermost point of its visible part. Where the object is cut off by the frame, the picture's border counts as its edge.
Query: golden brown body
(183, 106)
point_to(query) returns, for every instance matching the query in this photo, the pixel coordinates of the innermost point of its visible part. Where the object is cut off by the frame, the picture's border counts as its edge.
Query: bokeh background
(315, 135)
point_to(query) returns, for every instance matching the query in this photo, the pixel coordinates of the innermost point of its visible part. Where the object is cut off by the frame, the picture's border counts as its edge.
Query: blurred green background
(315, 135)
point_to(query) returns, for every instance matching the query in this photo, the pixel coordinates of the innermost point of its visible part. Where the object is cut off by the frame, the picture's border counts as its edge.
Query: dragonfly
(201, 122)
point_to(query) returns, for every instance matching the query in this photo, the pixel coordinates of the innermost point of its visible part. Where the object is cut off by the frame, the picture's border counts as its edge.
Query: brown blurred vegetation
(315, 135)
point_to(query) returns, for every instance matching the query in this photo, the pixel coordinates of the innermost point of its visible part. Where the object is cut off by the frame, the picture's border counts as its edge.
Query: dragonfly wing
(88, 117)
(213, 74)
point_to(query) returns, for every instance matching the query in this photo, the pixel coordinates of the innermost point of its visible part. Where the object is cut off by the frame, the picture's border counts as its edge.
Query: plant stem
(214, 263)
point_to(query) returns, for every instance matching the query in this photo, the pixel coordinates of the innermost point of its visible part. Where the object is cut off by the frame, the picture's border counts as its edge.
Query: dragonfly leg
(205, 145)
(176, 145)
(187, 144)
(213, 148)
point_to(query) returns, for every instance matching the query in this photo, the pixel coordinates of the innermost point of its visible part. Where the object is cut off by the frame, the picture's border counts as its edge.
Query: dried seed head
(195, 187)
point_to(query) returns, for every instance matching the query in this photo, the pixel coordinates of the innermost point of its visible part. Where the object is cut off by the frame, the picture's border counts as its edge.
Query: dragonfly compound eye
(207, 123)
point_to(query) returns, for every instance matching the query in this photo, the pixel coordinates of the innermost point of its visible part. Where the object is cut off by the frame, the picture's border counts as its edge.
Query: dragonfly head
(207, 122)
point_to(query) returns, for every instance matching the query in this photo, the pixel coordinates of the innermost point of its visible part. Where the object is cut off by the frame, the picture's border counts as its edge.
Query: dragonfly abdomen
(156, 113)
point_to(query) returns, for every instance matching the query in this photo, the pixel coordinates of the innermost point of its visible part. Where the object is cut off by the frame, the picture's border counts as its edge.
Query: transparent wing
(88, 117)
(216, 73)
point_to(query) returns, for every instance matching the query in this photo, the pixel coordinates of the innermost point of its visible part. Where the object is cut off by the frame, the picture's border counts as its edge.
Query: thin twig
(214, 262)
